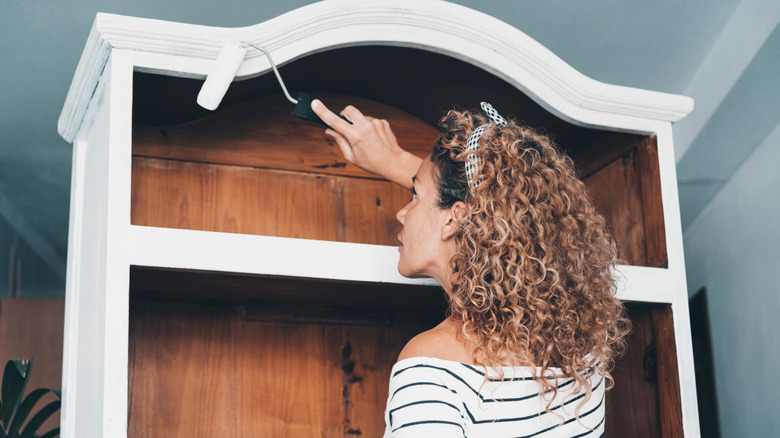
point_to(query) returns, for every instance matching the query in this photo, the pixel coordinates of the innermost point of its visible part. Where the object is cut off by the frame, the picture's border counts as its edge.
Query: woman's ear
(452, 220)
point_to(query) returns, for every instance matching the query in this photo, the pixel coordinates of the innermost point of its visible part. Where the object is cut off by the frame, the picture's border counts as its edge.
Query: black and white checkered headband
(472, 144)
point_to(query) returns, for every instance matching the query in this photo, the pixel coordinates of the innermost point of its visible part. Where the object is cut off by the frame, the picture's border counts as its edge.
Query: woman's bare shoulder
(439, 342)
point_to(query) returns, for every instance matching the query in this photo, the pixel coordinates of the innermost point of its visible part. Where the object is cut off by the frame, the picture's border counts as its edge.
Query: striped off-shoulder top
(436, 398)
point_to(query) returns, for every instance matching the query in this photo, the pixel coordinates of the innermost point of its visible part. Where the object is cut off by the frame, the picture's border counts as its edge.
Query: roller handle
(303, 110)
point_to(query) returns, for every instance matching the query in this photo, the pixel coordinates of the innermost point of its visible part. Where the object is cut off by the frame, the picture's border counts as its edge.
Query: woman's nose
(401, 215)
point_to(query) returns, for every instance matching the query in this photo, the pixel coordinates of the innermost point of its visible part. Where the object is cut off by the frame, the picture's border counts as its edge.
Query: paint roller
(224, 71)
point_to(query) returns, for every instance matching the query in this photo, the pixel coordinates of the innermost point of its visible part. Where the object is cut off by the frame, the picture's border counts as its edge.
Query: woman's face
(423, 251)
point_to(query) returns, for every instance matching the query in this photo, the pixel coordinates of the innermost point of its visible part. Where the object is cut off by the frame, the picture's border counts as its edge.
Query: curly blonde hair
(531, 275)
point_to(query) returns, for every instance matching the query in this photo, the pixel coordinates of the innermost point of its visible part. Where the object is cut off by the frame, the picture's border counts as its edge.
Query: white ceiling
(724, 53)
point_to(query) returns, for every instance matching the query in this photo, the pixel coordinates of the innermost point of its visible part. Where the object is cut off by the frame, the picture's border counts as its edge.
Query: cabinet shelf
(286, 257)
(266, 255)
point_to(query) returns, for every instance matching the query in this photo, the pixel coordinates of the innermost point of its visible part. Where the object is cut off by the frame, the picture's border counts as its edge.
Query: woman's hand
(369, 143)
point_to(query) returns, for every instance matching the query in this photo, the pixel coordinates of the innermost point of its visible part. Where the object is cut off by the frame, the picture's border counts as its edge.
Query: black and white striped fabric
(472, 144)
(436, 398)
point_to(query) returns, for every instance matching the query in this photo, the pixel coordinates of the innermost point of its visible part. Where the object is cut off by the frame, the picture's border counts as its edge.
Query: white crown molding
(436, 26)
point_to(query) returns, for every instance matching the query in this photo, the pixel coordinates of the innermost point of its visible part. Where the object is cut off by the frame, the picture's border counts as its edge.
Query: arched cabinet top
(435, 26)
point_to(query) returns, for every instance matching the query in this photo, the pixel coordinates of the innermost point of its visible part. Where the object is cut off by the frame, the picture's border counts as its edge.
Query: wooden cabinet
(230, 273)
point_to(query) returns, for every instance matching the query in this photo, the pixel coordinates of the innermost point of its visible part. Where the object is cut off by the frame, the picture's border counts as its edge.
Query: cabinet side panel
(83, 371)
(676, 261)
(95, 341)
(632, 404)
(616, 193)
(626, 188)
(650, 180)
(669, 402)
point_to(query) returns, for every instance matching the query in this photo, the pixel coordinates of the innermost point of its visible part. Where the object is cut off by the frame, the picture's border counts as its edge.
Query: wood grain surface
(254, 169)
(195, 365)
(227, 288)
(652, 203)
(632, 408)
(247, 200)
(203, 362)
(668, 373)
(201, 370)
(616, 193)
(262, 133)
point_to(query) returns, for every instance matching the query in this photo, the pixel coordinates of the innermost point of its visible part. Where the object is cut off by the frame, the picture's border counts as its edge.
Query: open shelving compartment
(310, 355)
(244, 279)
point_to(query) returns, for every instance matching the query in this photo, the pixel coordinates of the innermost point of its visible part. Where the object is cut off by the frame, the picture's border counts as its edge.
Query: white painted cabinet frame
(97, 118)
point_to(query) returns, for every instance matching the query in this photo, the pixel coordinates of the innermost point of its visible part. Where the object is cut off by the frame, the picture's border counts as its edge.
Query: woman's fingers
(388, 132)
(344, 145)
(353, 114)
(329, 117)
(368, 143)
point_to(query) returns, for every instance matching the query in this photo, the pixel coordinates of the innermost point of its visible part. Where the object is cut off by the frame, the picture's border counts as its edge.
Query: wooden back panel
(625, 185)
(172, 343)
(200, 367)
(262, 133)
(248, 200)
(645, 401)
(253, 169)
(203, 370)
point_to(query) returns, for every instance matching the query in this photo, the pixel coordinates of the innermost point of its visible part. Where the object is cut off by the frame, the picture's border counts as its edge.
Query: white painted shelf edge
(436, 26)
(306, 258)
(266, 255)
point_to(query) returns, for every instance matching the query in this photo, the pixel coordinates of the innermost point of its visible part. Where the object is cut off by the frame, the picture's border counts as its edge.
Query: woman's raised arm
(369, 143)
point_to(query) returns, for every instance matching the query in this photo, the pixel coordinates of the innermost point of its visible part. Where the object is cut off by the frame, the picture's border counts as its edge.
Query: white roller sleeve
(222, 74)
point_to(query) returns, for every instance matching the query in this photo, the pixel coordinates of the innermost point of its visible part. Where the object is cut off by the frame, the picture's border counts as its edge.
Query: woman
(500, 219)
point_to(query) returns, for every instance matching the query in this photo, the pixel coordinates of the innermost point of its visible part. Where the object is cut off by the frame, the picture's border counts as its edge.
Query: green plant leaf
(37, 420)
(24, 410)
(52, 433)
(15, 376)
(22, 365)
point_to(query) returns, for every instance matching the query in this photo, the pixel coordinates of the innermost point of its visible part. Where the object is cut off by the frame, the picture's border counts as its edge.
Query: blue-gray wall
(732, 250)
(31, 276)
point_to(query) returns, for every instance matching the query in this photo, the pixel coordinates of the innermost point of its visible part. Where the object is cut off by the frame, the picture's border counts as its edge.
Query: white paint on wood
(288, 257)
(103, 245)
(644, 284)
(85, 82)
(97, 290)
(266, 255)
(117, 283)
(82, 407)
(441, 27)
(678, 284)
(75, 263)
